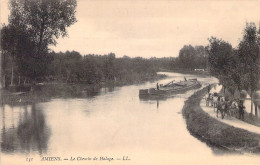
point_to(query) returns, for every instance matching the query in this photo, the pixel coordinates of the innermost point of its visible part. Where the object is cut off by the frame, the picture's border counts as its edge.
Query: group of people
(224, 105)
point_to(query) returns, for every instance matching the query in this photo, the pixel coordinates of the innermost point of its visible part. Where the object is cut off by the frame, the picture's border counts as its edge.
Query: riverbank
(214, 132)
(47, 91)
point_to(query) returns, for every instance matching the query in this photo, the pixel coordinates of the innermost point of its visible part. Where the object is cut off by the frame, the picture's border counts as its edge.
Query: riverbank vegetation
(237, 68)
(216, 133)
(72, 67)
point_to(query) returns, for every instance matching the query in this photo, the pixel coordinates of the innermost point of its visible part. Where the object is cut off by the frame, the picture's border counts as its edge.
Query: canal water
(114, 126)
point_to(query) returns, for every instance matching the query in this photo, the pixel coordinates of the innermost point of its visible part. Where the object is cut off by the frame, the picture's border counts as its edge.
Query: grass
(208, 129)
(48, 91)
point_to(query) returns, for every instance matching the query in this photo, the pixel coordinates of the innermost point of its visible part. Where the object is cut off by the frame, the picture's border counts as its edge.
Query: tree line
(189, 58)
(74, 67)
(237, 68)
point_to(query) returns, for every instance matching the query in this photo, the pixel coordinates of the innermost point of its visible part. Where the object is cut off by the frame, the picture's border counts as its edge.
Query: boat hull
(168, 91)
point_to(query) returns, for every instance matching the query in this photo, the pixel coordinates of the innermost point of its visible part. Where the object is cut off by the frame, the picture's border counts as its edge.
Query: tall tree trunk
(40, 42)
(12, 74)
(41, 34)
(3, 85)
(251, 102)
(1, 71)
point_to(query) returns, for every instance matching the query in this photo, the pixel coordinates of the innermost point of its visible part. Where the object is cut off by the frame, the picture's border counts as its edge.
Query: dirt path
(228, 120)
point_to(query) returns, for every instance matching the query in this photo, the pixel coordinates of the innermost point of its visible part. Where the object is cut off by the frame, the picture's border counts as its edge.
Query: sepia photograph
(129, 82)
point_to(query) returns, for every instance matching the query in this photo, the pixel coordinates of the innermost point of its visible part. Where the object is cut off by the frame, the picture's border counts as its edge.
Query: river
(114, 123)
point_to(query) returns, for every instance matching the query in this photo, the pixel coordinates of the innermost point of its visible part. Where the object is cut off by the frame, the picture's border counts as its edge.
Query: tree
(221, 61)
(249, 58)
(187, 55)
(201, 57)
(8, 47)
(220, 54)
(15, 46)
(44, 19)
(109, 66)
(41, 23)
(192, 57)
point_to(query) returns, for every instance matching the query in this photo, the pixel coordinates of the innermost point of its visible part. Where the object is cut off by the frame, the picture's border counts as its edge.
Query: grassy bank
(210, 130)
(44, 93)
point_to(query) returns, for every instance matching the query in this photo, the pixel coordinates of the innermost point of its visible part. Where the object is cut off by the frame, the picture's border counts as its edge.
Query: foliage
(44, 19)
(224, 64)
(71, 67)
(248, 51)
(220, 57)
(192, 57)
(33, 26)
(16, 48)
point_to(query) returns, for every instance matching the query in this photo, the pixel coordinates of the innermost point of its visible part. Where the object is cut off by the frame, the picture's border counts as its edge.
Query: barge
(171, 88)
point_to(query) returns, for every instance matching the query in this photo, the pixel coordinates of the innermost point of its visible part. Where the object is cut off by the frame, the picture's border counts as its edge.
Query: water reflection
(95, 91)
(147, 98)
(27, 131)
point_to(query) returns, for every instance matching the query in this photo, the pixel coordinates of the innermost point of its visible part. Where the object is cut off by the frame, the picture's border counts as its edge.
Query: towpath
(228, 120)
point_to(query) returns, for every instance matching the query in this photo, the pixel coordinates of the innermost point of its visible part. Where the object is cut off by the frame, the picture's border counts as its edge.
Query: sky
(152, 28)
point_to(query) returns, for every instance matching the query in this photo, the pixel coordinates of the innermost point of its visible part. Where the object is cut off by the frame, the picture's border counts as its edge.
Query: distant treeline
(189, 58)
(72, 67)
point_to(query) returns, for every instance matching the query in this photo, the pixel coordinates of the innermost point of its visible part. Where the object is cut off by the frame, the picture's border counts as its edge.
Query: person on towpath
(208, 88)
(241, 109)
